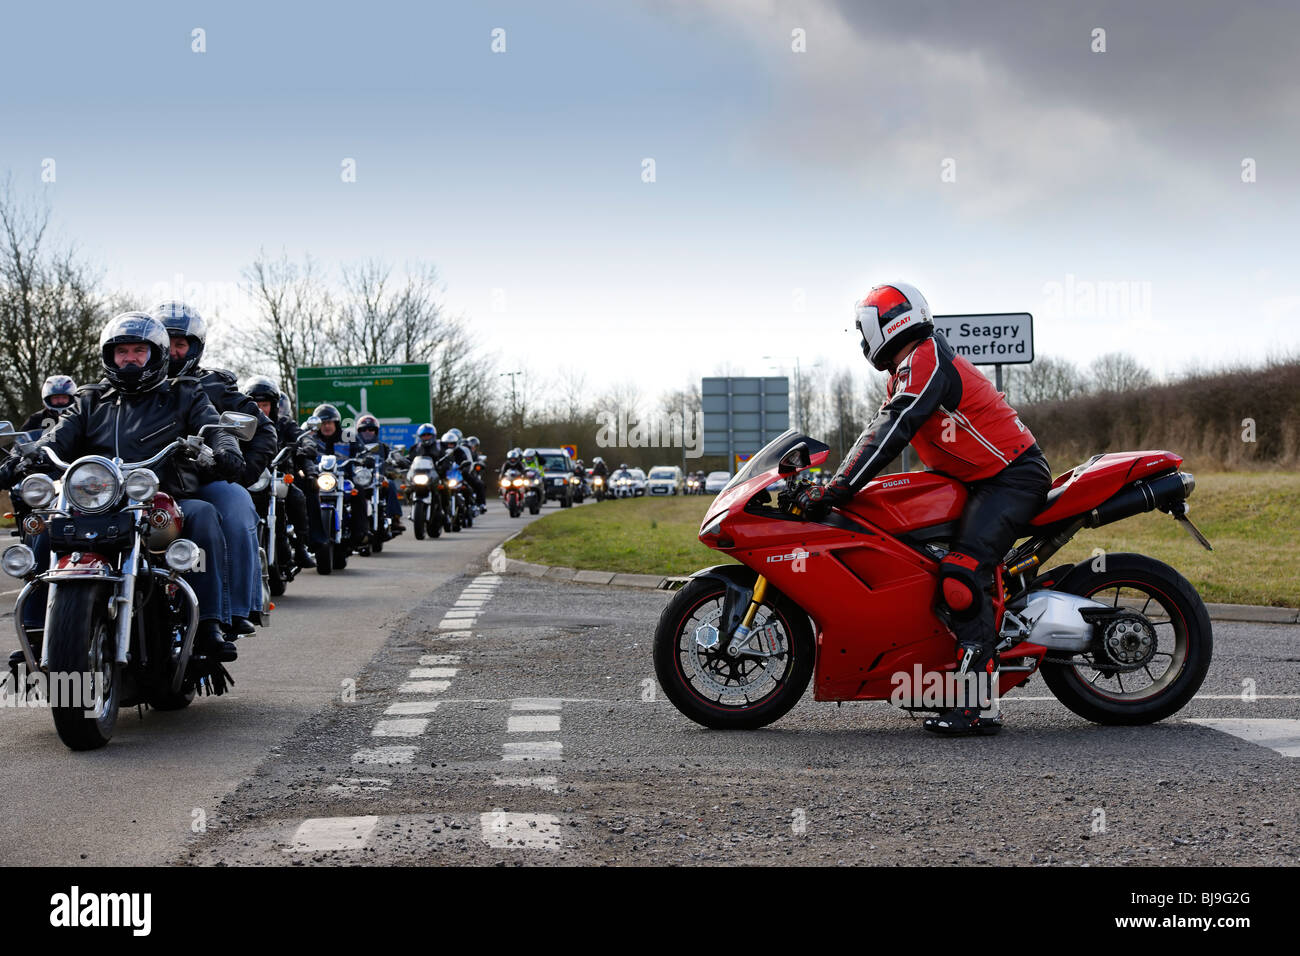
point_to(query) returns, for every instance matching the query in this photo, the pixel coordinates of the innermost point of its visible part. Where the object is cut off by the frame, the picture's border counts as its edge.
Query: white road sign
(999, 338)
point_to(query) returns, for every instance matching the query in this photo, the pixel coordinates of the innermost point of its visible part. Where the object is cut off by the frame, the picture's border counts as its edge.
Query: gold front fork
(760, 592)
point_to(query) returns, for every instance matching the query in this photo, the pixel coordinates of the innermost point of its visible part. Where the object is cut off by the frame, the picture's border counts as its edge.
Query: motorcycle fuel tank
(898, 504)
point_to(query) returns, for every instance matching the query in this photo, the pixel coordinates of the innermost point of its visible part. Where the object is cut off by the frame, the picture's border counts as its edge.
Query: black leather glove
(815, 501)
(230, 464)
(12, 470)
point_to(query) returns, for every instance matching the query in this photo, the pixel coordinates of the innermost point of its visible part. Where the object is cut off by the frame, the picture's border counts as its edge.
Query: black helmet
(57, 385)
(135, 327)
(261, 389)
(181, 319)
(327, 413)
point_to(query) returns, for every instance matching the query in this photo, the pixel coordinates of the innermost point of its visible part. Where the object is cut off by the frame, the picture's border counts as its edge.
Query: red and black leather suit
(960, 426)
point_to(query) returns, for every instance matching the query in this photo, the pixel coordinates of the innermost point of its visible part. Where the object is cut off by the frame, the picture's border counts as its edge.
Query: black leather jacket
(220, 387)
(39, 420)
(104, 421)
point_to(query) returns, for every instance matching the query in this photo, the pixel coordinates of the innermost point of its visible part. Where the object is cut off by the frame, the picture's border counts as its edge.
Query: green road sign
(397, 395)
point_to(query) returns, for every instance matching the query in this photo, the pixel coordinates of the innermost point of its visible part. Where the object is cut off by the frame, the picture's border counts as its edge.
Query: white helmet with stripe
(889, 317)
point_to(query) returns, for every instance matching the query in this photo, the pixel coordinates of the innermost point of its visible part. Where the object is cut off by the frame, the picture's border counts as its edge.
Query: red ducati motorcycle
(849, 602)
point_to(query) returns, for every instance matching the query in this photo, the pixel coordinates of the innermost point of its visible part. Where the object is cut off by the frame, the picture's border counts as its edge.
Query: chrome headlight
(519, 482)
(598, 480)
(141, 485)
(326, 482)
(574, 480)
(421, 479)
(18, 559)
(37, 491)
(183, 555)
(362, 477)
(93, 486)
(453, 483)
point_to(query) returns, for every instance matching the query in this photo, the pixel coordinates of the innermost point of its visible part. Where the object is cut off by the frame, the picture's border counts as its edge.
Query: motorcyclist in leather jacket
(330, 441)
(56, 395)
(302, 502)
(133, 414)
(367, 429)
(188, 334)
(960, 426)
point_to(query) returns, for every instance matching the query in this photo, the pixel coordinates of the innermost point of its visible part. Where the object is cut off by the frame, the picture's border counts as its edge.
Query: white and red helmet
(889, 317)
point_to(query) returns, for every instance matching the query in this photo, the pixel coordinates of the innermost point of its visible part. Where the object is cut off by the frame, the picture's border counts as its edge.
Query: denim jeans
(243, 569)
(201, 525)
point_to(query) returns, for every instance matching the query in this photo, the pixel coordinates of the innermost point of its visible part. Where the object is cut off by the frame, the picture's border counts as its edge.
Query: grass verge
(1252, 519)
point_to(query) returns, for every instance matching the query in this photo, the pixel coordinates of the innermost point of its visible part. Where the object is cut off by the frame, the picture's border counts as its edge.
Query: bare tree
(51, 312)
(291, 324)
(1045, 379)
(1118, 372)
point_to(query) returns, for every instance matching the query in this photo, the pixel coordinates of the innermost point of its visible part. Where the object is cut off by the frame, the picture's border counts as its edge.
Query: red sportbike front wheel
(732, 693)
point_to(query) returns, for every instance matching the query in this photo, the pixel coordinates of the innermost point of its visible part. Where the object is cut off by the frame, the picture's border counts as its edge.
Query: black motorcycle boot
(240, 626)
(210, 642)
(302, 556)
(977, 671)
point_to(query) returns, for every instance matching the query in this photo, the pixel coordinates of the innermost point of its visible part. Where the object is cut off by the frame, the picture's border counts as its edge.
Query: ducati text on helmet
(181, 319)
(889, 318)
(131, 328)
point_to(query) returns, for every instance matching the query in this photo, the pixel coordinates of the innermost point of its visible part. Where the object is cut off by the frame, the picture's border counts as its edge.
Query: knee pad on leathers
(960, 593)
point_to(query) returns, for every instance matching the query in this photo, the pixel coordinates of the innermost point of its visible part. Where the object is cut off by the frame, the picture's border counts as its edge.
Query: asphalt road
(510, 720)
(140, 799)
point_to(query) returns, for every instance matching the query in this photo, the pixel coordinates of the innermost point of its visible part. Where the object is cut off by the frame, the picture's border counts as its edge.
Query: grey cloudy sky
(1102, 192)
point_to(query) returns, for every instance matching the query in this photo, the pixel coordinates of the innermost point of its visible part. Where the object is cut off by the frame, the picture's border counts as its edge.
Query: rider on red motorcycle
(963, 427)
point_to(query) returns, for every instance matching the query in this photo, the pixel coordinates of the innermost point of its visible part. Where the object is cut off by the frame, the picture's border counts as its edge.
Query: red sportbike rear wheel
(1152, 661)
(722, 692)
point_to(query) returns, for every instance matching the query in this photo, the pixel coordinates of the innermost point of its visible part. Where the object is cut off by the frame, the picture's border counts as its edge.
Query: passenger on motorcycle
(367, 428)
(426, 442)
(480, 487)
(133, 415)
(56, 395)
(188, 334)
(302, 503)
(329, 441)
(454, 450)
(961, 426)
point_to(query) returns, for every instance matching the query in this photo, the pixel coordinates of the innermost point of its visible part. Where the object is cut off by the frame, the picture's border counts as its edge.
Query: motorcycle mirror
(796, 459)
(244, 426)
(312, 424)
(372, 448)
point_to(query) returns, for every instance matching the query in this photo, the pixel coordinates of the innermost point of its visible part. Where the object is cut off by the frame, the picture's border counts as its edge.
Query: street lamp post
(514, 406)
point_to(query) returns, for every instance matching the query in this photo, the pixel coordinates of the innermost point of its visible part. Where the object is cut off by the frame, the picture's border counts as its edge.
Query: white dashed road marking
(424, 687)
(535, 703)
(535, 750)
(542, 783)
(385, 756)
(521, 831)
(432, 660)
(400, 727)
(333, 833)
(358, 786)
(424, 673)
(1280, 735)
(534, 723)
(406, 708)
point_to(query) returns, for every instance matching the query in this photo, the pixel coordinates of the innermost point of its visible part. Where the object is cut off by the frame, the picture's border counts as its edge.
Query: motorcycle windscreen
(770, 455)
